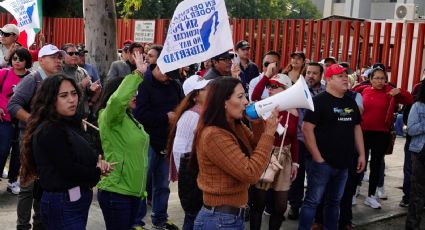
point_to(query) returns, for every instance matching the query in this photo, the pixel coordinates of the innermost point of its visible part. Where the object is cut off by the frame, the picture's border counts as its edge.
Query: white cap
(194, 82)
(10, 28)
(281, 80)
(49, 50)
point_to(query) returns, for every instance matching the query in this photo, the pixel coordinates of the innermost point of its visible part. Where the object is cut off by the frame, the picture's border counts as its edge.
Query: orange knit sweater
(225, 173)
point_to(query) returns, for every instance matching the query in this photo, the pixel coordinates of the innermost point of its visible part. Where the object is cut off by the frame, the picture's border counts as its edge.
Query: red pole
(243, 29)
(310, 35)
(376, 42)
(284, 52)
(318, 45)
(268, 34)
(259, 42)
(396, 53)
(235, 30)
(355, 45)
(251, 33)
(276, 34)
(328, 34)
(407, 55)
(419, 54)
(301, 35)
(292, 35)
(337, 35)
(346, 42)
(387, 43)
(364, 59)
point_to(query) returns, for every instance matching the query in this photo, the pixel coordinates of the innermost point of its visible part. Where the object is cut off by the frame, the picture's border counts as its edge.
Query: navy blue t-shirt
(335, 119)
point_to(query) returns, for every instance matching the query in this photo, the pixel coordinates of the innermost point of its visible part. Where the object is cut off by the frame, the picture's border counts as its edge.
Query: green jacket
(124, 141)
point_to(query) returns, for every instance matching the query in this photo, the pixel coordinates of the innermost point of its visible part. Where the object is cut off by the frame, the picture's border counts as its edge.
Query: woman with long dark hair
(416, 129)
(296, 66)
(125, 142)
(180, 144)
(230, 157)
(379, 100)
(54, 151)
(20, 62)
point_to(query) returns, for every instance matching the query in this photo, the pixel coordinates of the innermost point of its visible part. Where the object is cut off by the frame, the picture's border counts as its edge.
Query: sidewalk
(362, 214)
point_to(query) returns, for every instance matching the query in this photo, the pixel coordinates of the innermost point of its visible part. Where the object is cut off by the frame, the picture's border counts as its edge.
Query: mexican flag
(28, 17)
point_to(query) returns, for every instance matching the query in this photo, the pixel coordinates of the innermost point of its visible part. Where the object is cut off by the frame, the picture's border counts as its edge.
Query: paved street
(363, 215)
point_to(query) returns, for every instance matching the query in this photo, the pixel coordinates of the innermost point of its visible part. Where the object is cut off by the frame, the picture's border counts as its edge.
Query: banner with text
(24, 11)
(199, 30)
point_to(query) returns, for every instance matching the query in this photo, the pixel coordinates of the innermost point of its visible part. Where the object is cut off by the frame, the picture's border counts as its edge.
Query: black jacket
(154, 100)
(63, 157)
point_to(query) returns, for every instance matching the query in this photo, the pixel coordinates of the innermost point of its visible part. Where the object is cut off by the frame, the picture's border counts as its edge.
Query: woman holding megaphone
(285, 152)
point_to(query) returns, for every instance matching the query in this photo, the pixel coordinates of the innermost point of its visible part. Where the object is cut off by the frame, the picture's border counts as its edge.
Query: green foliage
(128, 7)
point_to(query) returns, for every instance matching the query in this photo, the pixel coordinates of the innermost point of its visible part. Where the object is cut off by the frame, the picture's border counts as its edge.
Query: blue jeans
(159, 169)
(189, 219)
(58, 212)
(8, 140)
(119, 211)
(407, 171)
(296, 191)
(321, 177)
(398, 125)
(210, 219)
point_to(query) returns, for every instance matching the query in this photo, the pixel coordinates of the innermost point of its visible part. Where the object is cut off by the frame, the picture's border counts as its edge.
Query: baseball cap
(49, 49)
(378, 66)
(334, 70)
(281, 80)
(242, 45)
(10, 29)
(299, 54)
(125, 45)
(226, 55)
(193, 83)
(367, 72)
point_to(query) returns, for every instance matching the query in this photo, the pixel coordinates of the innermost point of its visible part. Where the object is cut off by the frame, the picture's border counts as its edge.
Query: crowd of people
(68, 130)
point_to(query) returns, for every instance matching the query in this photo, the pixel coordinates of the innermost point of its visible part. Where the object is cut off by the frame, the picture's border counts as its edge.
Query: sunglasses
(3, 34)
(15, 58)
(73, 53)
(271, 86)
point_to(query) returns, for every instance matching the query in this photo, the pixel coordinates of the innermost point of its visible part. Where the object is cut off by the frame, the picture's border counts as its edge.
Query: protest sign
(198, 31)
(144, 31)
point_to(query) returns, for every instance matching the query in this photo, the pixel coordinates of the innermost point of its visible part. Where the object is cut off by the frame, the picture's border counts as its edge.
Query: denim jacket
(416, 127)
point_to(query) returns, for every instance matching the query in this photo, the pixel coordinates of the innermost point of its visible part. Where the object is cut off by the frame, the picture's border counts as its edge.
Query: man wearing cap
(157, 97)
(123, 68)
(249, 69)
(313, 77)
(220, 66)
(332, 133)
(19, 106)
(91, 70)
(9, 35)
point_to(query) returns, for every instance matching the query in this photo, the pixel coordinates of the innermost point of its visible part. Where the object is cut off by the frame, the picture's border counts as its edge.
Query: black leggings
(259, 197)
(377, 142)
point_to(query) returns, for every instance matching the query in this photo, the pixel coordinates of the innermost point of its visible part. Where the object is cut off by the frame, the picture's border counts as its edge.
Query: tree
(100, 28)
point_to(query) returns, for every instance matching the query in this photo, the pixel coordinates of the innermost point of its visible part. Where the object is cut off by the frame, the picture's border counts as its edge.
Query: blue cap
(251, 112)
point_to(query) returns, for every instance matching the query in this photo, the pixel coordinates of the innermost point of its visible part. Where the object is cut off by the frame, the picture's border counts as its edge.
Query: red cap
(334, 70)
(127, 42)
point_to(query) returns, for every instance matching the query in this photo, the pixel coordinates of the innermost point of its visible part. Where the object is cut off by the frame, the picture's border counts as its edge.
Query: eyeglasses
(73, 53)
(3, 34)
(225, 59)
(271, 86)
(15, 58)
(379, 79)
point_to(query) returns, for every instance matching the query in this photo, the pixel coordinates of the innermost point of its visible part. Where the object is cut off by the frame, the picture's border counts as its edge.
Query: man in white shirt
(269, 57)
(9, 35)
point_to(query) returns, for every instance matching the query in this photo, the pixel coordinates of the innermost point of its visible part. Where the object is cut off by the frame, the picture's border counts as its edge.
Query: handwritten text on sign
(144, 31)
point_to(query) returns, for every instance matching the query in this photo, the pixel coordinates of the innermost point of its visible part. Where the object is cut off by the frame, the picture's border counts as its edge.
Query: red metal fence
(398, 45)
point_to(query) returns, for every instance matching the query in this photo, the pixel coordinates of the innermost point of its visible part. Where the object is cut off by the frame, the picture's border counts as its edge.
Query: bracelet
(136, 71)
(296, 165)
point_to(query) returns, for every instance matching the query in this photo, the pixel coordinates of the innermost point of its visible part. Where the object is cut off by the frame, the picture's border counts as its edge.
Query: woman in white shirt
(180, 144)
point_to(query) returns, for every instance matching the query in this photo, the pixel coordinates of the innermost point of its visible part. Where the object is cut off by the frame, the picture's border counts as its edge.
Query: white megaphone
(297, 96)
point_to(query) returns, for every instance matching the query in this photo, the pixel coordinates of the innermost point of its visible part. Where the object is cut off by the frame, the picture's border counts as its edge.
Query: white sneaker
(5, 174)
(380, 193)
(13, 188)
(366, 177)
(372, 202)
(354, 201)
(357, 191)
